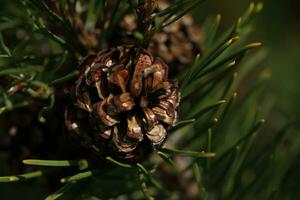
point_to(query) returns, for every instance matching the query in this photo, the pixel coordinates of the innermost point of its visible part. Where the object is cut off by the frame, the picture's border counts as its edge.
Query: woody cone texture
(122, 103)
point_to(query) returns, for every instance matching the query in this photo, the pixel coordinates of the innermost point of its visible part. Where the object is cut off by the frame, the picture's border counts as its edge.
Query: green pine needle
(184, 153)
(53, 163)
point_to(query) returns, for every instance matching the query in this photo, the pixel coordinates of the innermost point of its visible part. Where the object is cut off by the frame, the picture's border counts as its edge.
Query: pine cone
(177, 44)
(122, 103)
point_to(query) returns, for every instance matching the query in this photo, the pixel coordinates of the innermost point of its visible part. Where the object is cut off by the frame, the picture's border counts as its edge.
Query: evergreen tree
(133, 100)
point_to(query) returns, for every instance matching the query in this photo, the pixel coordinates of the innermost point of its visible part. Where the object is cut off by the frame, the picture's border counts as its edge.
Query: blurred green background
(278, 29)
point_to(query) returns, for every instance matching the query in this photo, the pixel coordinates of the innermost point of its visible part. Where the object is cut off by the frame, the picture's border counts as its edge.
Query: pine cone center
(122, 102)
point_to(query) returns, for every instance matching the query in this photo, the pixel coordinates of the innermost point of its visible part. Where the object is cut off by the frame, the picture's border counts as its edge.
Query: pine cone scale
(128, 99)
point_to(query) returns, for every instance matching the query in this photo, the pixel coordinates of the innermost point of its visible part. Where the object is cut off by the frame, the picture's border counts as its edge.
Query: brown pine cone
(177, 44)
(122, 103)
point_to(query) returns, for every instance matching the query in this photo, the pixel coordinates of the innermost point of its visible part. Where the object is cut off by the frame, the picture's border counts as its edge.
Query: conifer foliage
(113, 99)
